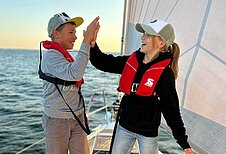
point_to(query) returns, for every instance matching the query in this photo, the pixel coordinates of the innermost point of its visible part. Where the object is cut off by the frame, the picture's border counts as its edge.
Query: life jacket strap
(54, 80)
(86, 127)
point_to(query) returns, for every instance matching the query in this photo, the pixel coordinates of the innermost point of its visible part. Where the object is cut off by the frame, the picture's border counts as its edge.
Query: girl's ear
(162, 44)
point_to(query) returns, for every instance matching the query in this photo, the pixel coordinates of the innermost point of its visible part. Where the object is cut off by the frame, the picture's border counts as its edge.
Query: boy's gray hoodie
(54, 64)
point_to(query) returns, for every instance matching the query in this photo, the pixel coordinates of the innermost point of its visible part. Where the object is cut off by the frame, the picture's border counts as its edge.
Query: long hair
(175, 51)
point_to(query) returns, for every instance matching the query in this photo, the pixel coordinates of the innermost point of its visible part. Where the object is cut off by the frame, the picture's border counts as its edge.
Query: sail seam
(213, 55)
(196, 51)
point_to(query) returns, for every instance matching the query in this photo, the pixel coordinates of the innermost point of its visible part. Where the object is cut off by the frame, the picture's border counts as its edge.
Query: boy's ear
(55, 34)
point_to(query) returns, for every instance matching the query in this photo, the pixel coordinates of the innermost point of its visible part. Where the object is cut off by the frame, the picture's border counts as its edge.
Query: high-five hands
(90, 34)
(95, 37)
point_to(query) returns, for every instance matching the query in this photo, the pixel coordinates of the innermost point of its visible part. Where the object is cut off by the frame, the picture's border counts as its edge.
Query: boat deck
(100, 144)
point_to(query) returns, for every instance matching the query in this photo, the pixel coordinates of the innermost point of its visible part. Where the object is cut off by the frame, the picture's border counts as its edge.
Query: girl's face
(150, 43)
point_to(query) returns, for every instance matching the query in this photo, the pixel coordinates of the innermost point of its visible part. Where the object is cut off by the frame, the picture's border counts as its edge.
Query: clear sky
(23, 23)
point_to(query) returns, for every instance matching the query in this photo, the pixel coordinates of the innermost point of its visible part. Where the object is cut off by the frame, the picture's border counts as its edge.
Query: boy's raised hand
(90, 34)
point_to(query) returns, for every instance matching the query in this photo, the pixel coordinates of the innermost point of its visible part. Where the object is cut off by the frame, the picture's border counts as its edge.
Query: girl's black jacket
(142, 114)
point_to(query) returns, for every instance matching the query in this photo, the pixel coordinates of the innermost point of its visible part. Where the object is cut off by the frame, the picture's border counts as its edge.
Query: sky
(23, 23)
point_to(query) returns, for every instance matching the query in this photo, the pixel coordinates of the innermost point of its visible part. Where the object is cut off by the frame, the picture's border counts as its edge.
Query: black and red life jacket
(149, 79)
(56, 81)
(67, 55)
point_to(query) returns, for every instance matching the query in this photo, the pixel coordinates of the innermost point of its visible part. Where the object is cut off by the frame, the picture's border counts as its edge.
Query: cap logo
(64, 16)
(153, 21)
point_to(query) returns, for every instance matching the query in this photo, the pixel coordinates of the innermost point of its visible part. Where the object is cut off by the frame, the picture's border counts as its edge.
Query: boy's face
(66, 37)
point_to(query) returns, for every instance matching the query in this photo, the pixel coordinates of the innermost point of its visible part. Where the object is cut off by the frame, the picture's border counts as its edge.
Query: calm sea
(20, 102)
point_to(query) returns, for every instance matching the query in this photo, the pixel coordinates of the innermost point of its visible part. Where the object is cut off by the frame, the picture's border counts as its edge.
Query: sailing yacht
(200, 28)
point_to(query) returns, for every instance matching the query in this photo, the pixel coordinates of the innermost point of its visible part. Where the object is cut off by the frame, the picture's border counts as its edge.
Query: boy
(64, 119)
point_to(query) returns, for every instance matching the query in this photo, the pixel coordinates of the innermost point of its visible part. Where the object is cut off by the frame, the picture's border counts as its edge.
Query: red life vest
(149, 79)
(67, 55)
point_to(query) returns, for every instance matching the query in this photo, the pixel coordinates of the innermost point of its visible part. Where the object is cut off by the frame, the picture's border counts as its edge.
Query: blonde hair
(175, 51)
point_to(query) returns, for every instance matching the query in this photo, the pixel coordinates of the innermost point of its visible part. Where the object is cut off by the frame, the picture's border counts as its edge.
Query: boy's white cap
(61, 18)
(158, 28)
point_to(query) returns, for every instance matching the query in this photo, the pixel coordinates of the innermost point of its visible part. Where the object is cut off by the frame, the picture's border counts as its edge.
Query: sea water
(20, 102)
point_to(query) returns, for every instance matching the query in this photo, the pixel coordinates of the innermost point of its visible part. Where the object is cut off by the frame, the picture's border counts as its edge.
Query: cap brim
(143, 28)
(77, 20)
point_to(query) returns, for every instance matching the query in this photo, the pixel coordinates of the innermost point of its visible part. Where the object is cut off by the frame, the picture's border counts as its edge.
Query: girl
(148, 81)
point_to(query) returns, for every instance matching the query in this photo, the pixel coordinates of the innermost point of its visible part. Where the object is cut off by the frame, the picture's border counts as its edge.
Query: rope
(37, 142)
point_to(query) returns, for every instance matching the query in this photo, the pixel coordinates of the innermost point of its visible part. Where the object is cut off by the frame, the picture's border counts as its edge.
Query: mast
(123, 27)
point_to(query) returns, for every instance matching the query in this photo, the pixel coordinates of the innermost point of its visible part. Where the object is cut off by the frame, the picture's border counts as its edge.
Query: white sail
(200, 27)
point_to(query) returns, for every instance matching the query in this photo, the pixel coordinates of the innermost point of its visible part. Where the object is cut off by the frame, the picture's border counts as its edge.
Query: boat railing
(95, 131)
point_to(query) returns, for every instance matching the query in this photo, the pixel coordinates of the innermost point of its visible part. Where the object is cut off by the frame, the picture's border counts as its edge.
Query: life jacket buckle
(134, 87)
